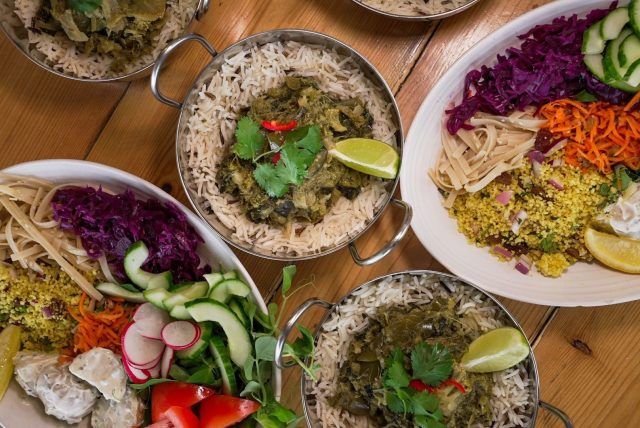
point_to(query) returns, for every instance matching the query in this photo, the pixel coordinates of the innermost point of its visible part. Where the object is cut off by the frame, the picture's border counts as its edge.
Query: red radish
(139, 350)
(153, 372)
(148, 365)
(180, 334)
(150, 320)
(167, 362)
(136, 375)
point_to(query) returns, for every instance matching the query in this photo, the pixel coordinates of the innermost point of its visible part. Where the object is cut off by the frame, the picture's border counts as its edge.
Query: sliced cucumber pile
(134, 258)
(221, 355)
(611, 48)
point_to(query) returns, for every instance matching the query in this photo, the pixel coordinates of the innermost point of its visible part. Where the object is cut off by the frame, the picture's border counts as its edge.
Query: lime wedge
(9, 347)
(496, 350)
(371, 157)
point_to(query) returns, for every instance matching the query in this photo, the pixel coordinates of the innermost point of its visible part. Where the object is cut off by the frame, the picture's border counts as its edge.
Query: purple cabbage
(108, 224)
(547, 66)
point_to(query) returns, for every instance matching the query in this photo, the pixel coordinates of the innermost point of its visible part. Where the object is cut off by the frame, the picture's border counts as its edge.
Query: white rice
(62, 54)
(415, 7)
(512, 391)
(210, 128)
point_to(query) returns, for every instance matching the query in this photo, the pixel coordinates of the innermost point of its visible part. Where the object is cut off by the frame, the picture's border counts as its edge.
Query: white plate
(583, 284)
(16, 408)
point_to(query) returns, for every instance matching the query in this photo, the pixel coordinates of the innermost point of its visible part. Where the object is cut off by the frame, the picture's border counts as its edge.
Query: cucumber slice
(134, 258)
(228, 288)
(221, 355)
(612, 68)
(240, 347)
(633, 75)
(232, 274)
(612, 24)
(595, 65)
(194, 352)
(115, 290)
(156, 296)
(629, 52)
(236, 307)
(183, 295)
(213, 279)
(178, 373)
(179, 312)
(592, 40)
(161, 280)
(634, 16)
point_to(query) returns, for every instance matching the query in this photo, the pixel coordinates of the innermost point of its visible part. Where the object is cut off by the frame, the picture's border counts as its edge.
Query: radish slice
(150, 320)
(154, 372)
(167, 362)
(139, 350)
(136, 375)
(149, 365)
(180, 334)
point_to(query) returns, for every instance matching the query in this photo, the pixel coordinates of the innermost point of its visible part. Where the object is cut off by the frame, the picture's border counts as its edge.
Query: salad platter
(451, 230)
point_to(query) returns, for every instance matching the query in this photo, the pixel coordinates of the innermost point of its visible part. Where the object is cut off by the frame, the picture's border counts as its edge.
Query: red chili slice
(274, 125)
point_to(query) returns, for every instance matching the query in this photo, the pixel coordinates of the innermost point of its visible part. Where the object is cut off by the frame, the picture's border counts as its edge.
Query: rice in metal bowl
(513, 392)
(63, 56)
(209, 131)
(416, 7)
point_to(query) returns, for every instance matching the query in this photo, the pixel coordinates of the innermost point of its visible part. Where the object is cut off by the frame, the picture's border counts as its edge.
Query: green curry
(122, 29)
(316, 185)
(360, 387)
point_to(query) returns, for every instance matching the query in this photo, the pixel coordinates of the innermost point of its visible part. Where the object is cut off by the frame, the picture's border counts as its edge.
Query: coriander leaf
(547, 244)
(395, 403)
(265, 348)
(423, 421)
(424, 403)
(149, 383)
(288, 272)
(271, 178)
(431, 364)
(249, 140)
(396, 375)
(292, 164)
(310, 144)
(84, 6)
(251, 387)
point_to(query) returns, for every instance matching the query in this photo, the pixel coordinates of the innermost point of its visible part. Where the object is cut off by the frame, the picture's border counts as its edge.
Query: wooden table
(587, 357)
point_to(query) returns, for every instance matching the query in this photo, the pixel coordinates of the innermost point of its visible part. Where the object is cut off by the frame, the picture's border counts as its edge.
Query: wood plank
(588, 362)
(140, 136)
(46, 116)
(337, 275)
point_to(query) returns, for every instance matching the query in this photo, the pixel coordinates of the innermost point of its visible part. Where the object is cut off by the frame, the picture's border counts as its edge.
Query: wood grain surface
(587, 357)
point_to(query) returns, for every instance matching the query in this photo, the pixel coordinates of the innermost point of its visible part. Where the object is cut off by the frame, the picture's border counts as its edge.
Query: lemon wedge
(9, 347)
(619, 253)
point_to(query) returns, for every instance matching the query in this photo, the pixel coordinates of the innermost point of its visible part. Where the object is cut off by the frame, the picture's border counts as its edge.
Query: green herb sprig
(297, 153)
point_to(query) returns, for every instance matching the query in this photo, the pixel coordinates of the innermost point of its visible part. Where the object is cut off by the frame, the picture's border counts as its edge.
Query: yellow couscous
(557, 204)
(38, 303)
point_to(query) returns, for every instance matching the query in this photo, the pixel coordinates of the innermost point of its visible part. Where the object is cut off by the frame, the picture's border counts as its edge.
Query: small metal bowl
(417, 17)
(15, 31)
(309, 400)
(188, 104)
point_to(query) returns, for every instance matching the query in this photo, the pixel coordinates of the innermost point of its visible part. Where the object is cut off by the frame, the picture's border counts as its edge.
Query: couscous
(544, 218)
(38, 303)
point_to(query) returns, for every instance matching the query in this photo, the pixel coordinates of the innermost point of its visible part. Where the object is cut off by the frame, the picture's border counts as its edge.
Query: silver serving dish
(308, 400)
(218, 59)
(15, 31)
(417, 17)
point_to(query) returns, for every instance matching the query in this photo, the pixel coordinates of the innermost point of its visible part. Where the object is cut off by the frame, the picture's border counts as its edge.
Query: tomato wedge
(181, 394)
(221, 411)
(181, 417)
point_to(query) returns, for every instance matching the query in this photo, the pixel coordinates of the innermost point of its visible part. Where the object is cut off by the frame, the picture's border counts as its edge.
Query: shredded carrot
(98, 327)
(598, 134)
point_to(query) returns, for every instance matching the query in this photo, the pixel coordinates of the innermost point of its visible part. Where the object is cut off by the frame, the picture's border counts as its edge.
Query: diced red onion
(536, 156)
(504, 197)
(522, 266)
(47, 312)
(517, 221)
(557, 163)
(502, 251)
(555, 184)
(557, 146)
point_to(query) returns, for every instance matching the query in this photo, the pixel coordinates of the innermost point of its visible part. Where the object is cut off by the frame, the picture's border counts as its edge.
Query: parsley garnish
(430, 364)
(296, 155)
(548, 244)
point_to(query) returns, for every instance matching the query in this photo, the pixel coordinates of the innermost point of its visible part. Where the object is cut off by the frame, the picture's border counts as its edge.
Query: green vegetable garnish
(288, 164)
(431, 364)
(621, 179)
(586, 97)
(547, 244)
(84, 6)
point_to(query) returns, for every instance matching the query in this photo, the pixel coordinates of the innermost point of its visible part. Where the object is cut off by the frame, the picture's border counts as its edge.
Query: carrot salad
(597, 133)
(99, 327)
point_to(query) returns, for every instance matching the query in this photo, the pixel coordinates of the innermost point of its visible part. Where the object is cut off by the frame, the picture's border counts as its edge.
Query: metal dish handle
(286, 330)
(155, 74)
(557, 413)
(389, 246)
(203, 7)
